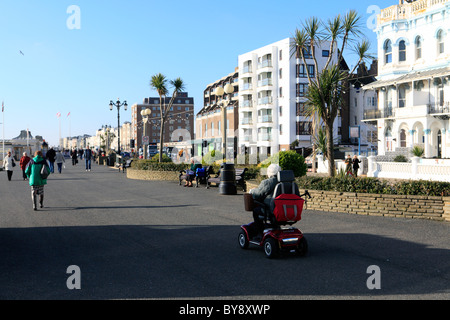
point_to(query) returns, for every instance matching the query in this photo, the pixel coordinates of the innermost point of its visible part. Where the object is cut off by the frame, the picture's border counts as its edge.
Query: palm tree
(325, 90)
(158, 83)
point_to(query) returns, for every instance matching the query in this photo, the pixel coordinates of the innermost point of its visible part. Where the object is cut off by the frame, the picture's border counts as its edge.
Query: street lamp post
(228, 89)
(118, 104)
(145, 116)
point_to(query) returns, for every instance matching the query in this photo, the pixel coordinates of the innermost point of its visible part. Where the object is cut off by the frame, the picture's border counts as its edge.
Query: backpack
(44, 170)
(201, 172)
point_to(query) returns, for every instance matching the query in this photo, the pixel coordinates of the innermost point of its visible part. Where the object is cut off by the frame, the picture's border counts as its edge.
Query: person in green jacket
(33, 172)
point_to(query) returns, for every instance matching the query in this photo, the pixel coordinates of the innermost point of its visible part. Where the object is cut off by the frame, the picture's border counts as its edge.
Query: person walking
(37, 183)
(51, 154)
(356, 163)
(348, 166)
(88, 158)
(59, 159)
(9, 164)
(23, 164)
(74, 156)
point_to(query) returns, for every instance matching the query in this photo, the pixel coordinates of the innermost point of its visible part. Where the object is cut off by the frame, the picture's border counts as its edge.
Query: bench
(198, 180)
(240, 180)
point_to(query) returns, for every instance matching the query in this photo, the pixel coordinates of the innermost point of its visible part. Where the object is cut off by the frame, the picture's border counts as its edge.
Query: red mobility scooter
(277, 234)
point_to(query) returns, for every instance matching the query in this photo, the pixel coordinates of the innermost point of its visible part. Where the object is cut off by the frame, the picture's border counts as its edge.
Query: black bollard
(227, 184)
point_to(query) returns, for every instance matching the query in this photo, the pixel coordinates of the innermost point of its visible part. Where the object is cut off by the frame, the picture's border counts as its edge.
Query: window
(307, 52)
(281, 92)
(418, 48)
(387, 52)
(281, 73)
(301, 71)
(440, 41)
(281, 55)
(304, 128)
(301, 109)
(402, 51)
(325, 53)
(302, 88)
(281, 129)
(311, 70)
(402, 96)
(281, 111)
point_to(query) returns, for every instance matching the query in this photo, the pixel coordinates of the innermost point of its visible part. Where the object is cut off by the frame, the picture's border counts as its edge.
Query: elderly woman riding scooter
(263, 194)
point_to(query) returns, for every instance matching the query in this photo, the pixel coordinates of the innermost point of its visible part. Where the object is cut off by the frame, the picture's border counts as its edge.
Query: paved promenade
(156, 240)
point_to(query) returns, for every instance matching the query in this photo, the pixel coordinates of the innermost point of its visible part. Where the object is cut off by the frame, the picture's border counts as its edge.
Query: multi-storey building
(272, 89)
(179, 125)
(361, 104)
(209, 120)
(413, 77)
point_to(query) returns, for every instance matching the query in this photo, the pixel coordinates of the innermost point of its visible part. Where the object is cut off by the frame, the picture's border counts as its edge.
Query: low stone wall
(152, 175)
(401, 206)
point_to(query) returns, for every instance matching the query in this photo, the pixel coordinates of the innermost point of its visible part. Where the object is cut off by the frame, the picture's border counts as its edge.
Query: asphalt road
(156, 240)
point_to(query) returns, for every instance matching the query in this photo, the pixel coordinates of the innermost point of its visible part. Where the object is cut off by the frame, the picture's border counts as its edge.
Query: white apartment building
(413, 77)
(272, 86)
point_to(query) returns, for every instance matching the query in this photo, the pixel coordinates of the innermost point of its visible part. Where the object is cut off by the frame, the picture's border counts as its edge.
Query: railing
(439, 108)
(247, 69)
(408, 10)
(265, 82)
(265, 119)
(247, 103)
(246, 121)
(247, 86)
(265, 100)
(378, 114)
(414, 170)
(265, 137)
(264, 64)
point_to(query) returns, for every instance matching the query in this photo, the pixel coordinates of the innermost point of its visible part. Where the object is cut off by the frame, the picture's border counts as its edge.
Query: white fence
(417, 169)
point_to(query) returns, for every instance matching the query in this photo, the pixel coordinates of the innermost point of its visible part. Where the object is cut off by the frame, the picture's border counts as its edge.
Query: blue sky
(121, 44)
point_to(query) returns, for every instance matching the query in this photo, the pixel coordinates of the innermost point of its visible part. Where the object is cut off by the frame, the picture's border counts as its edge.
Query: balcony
(265, 100)
(265, 137)
(378, 114)
(247, 69)
(265, 64)
(247, 121)
(265, 119)
(265, 82)
(246, 86)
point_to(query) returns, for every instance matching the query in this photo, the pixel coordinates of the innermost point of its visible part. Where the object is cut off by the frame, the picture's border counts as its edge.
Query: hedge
(374, 185)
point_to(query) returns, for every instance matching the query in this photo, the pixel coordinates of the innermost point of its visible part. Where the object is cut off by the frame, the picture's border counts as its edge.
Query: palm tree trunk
(161, 140)
(330, 149)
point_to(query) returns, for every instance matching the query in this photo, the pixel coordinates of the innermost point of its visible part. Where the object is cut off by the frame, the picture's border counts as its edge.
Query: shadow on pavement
(134, 262)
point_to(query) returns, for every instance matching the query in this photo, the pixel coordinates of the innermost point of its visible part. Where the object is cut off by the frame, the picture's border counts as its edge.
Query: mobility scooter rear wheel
(271, 248)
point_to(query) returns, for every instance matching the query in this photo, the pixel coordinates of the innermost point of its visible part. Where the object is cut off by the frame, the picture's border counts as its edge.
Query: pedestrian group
(37, 169)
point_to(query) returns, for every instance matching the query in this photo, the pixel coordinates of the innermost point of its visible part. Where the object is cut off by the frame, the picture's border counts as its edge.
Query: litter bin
(227, 184)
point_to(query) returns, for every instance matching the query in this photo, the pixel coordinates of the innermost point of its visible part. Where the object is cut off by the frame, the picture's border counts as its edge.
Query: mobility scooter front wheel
(271, 248)
(302, 248)
(243, 240)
